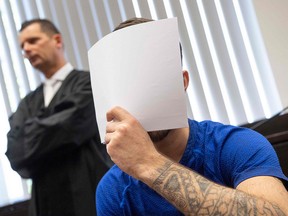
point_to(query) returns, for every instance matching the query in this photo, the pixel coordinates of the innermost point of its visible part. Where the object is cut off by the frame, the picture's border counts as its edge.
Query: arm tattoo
(193, 194)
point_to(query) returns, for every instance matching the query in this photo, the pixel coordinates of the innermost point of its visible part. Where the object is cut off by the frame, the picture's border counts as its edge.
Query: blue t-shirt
(224, 154)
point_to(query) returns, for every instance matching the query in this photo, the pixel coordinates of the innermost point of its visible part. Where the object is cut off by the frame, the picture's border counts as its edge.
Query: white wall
(273, 20)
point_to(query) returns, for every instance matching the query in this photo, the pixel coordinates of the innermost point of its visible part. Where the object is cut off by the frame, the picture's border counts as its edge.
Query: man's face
(38, 47)
(157, 136)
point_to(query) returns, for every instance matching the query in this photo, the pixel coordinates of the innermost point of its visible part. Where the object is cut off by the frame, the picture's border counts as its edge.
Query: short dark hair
(135, 21)
(132, 21)
(46, 26)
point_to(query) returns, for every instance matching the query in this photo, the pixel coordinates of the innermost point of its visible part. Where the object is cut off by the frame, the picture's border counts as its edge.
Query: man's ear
(58, 40)
(185, 79)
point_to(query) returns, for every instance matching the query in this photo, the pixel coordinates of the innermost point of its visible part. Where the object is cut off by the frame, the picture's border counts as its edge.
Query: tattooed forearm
(194, 195)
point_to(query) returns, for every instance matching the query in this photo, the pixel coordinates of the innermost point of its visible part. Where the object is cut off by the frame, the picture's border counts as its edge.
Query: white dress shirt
(52, 84)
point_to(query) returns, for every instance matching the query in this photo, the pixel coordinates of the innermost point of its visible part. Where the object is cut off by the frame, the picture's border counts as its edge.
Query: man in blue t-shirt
(206, 168)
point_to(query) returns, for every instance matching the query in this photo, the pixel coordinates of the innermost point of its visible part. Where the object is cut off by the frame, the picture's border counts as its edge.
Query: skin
(156, 164)
(44, 51)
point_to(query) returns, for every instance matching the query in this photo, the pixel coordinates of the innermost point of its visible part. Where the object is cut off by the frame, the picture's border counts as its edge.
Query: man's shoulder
(109, 192)
(114, 176)
(80, 73)
(213, 127)
(78, 76)
(34, 93)
(115, 173)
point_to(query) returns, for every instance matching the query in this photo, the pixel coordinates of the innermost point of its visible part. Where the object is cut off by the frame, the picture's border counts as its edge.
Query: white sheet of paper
(139, 69)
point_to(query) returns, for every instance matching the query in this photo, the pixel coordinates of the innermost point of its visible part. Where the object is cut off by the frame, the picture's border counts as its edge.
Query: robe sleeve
(51, 132)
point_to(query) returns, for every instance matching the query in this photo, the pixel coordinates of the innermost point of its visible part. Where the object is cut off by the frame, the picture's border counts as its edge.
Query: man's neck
(173, 146)
(51, 70)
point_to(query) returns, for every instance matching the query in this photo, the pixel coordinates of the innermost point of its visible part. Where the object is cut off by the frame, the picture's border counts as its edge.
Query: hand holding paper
(139, 69)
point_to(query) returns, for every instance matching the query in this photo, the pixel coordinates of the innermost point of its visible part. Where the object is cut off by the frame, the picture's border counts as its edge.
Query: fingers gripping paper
(139, 69)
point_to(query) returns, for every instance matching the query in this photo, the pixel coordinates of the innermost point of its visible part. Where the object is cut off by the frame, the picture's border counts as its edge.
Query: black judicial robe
(59, 148)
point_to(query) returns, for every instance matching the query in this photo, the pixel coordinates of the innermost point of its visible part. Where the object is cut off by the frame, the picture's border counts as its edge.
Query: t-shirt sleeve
(247, 154)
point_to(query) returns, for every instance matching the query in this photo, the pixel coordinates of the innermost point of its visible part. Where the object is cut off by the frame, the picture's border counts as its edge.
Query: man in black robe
(54, 137)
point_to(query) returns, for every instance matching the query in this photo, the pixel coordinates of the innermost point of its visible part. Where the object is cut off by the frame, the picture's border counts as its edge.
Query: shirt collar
(63, 72)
